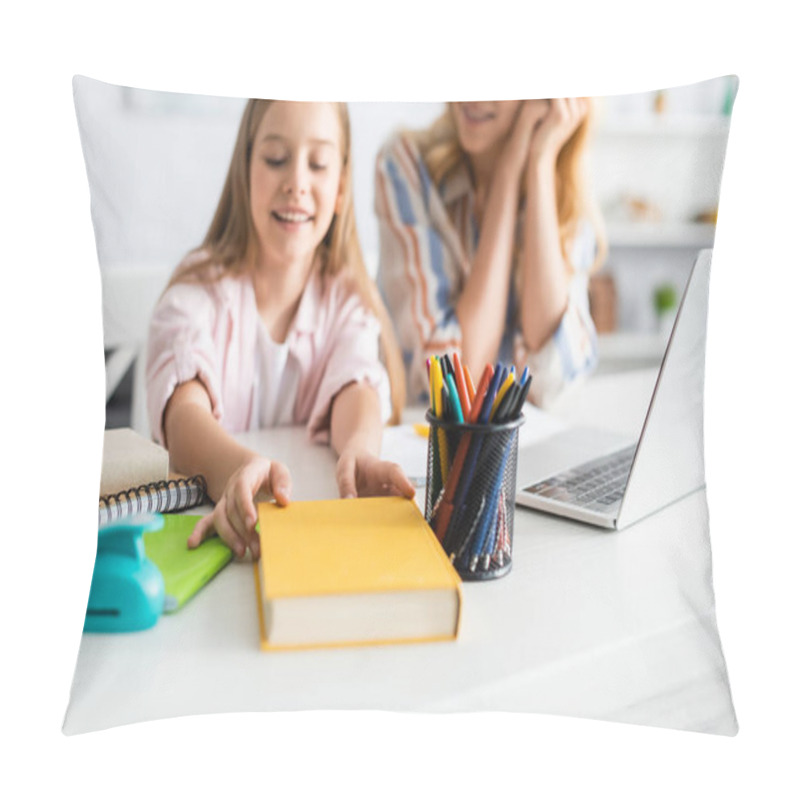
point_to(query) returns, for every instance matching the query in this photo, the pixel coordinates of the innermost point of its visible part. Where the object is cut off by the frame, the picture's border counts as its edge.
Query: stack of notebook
(134, 479)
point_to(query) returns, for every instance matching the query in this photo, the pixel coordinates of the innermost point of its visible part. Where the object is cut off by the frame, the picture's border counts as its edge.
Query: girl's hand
(234, 517)
(559, 123)
(361, 474)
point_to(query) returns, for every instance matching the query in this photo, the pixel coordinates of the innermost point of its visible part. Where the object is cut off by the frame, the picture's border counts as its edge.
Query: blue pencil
(523, 396)
(489, 514)
(498, 377)
(462, 545)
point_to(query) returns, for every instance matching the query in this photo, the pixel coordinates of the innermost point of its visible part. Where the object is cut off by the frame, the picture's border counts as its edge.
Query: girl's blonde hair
(229, 246)
(442, 153)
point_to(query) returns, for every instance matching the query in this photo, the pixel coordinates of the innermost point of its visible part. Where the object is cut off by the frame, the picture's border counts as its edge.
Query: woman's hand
(515, 154)
(555, 128)
(361, 474)
(234, 517)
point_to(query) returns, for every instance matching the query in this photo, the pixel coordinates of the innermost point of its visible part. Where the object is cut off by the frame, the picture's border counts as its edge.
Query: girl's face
(295, 178)
(485, 126)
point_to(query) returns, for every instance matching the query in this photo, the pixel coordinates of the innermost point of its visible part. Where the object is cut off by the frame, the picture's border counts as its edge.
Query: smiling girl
(273, 320)
(488, 238)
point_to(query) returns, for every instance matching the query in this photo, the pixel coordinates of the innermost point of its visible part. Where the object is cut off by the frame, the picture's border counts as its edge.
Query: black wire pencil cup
(472, 464)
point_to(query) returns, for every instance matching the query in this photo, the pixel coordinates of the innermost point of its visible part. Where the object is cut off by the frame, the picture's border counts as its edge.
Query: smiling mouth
(294, 217)
(473, 115)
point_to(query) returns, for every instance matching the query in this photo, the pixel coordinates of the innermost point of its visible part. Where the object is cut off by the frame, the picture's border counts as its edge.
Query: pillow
(610, 625)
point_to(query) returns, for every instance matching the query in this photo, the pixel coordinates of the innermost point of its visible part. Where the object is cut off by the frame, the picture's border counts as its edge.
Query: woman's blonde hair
(229, 245)
(442, 153)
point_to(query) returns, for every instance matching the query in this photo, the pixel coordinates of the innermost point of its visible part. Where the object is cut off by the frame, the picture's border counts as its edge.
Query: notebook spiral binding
(153, 498)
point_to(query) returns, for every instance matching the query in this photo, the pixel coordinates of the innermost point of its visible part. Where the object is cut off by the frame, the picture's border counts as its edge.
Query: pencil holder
(469, 500)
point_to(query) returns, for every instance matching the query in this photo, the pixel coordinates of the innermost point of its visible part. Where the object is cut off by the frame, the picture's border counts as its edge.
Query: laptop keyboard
(597, 485)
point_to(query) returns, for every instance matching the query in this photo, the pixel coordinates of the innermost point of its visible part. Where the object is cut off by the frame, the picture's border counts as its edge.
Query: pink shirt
(210, 332)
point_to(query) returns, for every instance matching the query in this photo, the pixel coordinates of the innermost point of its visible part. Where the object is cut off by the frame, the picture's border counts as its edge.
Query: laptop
(599, 477)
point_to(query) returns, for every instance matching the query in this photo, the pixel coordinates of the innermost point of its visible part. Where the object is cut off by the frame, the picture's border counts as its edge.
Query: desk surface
(615, 626)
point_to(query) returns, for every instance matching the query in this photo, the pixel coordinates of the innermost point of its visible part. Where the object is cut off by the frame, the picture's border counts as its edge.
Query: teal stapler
(127, 591)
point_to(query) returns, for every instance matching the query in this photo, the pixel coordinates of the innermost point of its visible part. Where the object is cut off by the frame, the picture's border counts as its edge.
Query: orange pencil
(480, 392)
(470, 385)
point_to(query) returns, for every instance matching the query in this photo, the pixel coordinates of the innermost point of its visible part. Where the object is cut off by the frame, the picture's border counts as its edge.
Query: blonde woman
(272, 321)
(488, 237)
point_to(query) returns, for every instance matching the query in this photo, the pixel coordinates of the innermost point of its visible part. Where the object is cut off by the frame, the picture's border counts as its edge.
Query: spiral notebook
(158, 497)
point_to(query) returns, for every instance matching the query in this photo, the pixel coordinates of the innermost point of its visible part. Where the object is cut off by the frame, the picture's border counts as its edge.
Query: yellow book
(352, 572)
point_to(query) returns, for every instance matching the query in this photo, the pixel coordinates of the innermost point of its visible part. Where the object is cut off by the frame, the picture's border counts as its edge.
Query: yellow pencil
(436, 385)
(500, 392)
(430, 381)
(438, 381)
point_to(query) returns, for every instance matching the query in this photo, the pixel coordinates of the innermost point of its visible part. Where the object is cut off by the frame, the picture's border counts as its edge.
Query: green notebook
(185, 571)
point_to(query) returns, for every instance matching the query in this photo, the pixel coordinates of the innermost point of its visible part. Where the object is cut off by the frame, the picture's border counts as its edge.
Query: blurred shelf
(660, 234)
(664, 125)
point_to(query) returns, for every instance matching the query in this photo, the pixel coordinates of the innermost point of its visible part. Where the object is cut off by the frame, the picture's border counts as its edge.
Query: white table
(614, 626)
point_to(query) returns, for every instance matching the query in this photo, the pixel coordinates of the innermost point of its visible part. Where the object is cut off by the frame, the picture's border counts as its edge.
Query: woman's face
(485, 126)
(295, 178)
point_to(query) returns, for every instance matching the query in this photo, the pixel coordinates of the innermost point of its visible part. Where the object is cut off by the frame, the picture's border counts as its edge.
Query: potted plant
(665, 302)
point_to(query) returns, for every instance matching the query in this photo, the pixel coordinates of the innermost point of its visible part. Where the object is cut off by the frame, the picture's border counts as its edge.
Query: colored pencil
(454, 400)
(470, 384)
(461, 384)
(436, 369)
(506, 385)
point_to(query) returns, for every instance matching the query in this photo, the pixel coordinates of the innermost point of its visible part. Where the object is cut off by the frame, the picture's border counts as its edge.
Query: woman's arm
(545, 283)
(481, 308)
(197, 443)
(356, 431)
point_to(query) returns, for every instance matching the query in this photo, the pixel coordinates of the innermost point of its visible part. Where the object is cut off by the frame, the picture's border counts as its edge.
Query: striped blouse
(428, 240)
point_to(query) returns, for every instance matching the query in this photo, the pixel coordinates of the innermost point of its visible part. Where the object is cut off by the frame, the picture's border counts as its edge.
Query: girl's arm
(197, 443)
(356, 431)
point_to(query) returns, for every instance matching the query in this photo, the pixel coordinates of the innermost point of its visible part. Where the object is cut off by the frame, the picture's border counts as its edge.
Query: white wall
(155, 169)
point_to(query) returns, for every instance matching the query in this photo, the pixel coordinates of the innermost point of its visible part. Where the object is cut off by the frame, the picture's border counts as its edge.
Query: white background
(52, 388)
